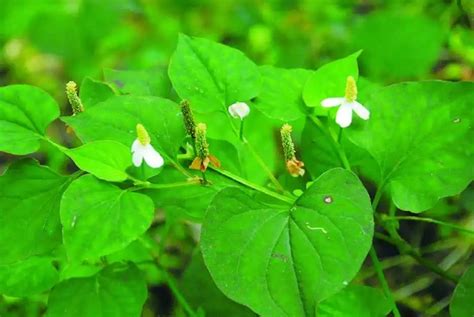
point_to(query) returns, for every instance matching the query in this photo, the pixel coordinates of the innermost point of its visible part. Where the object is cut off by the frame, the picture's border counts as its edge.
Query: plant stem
(379, 270)
(430, 220)
(253, 186)
(146, 185)
(177, 293)
(241, 132)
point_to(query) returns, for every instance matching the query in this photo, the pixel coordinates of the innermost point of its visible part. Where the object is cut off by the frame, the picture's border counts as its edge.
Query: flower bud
(74, 100)
(239, 110)
(351, 89)
(293, 165)
(188, 118)
(142, 135)
(203, 157)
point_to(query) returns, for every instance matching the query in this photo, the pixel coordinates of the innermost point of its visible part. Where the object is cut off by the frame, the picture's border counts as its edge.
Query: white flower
(143, 150)
(347, 104)
(239, 110)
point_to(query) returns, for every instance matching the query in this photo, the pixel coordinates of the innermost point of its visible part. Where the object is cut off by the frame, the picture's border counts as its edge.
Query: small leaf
(282, 262)
(99, 218)
(106, 160)
(29, 205)
(116, 119)
(281, 97)
(25, 113)
(117, 291)
(25, 278)
(93, 92)
(420, 135)
(355, 300)
(330, 80)
(212, 76)
(463, 296)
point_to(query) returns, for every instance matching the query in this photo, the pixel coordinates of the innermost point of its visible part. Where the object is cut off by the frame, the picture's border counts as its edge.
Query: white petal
(344, 115)
(135, 145)
(332, 102)
(152, 157)
(137, 158)
(239, 110)
(361, 111)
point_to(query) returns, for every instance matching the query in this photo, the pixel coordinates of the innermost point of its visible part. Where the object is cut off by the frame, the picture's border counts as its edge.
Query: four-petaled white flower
(347, 104)
(143, 150)
(239, 110)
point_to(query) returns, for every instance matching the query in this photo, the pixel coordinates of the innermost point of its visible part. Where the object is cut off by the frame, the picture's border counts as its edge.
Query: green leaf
(116, 291)
(94, 91)
(390, 49)
(281, 94)
(153, 82)
(420, 135)
(106, 160)
(31, 276)
(463, 296)
(25, 113)
(116, 119)
(330, 81)
(212, 76)
(207, 295)
(355, 300)
(29, 205)
(283, 261)
(99, 218)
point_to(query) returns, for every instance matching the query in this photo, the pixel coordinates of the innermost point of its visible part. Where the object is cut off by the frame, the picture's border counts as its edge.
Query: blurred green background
(49, 42)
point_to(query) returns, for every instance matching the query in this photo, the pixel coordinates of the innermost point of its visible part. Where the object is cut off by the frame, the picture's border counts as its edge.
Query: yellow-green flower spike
(202, 147)
(188, 118)
(142, 135)
(74, 100)
(287, 142)
(351, 89)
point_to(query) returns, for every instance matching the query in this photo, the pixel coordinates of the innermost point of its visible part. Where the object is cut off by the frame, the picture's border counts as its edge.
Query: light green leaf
(330, 81)
(99, 218)
(421, 136)
(116, 291)
(106, 160)
(207, 295)
(282, 262)
(153, 82)
(116, 119)
(212, 76)
(29, 205)
(24, 278)
(355, 300)
(25, 113)
(281, 94)
(463, 296)
(94, 91)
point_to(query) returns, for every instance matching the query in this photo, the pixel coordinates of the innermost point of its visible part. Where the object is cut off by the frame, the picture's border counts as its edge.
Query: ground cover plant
(215, 186)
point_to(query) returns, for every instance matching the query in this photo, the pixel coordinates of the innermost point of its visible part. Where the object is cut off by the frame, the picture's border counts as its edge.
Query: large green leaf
(93, 92)
(153, 82)
(99, 218)
(116, 119)
(207, 296)
(25, 113)
(28, 277)
(107, 160)
(463, 297)
(281, 97)
(29, 210)
(212, 76)
(330, 80)
(421, 136)
(283, 261)
(355, 300)
(116, 291)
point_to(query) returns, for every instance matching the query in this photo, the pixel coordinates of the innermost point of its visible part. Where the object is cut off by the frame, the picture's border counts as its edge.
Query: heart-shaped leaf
(99, 218)
(282, 262)
(463, 296)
